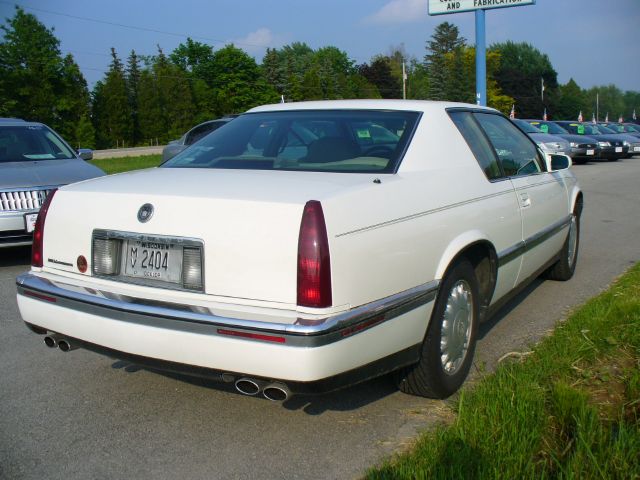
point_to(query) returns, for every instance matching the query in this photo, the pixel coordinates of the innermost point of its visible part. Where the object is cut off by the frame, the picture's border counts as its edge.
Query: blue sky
(594, 41)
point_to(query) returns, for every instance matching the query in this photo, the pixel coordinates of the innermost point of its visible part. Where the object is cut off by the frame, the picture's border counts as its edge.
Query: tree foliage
(157, 98)
(522, 70)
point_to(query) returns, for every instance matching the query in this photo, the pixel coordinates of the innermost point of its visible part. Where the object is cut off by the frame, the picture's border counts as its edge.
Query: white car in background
(308, 246)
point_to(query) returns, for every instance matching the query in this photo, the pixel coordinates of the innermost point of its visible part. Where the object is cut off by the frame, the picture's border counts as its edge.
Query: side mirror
(557, 162)
(85, 153)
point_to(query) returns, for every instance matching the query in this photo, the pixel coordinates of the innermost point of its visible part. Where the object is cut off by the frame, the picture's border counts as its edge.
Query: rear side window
(478, 143)
(517, 154)
(197, 133)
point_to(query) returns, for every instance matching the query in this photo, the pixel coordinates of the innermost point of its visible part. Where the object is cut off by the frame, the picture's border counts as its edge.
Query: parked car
(612, 148)
(630, 141)
(583, 148)
(290, 253)
(632, 129)
(192, 136)
(547, 143)
(629, 134)
(34, 160)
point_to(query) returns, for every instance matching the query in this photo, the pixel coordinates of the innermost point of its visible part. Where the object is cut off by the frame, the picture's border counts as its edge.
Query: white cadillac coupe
(308, 246)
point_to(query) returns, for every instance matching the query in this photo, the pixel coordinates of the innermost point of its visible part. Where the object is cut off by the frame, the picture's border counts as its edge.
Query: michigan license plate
(591, 152)
(153, 260)
(636, 149)
(618, 149)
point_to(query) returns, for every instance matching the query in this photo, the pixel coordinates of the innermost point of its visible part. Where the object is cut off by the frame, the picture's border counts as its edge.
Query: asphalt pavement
(80, 415)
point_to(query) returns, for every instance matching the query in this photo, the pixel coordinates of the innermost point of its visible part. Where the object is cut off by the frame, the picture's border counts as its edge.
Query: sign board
(441, 7)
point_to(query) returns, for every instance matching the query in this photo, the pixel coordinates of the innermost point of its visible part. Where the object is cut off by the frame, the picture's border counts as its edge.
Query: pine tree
(445, 40)
(114, 124)
(132, 81)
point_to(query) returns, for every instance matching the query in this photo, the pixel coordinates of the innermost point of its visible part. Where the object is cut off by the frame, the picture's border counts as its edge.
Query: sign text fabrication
(440, 7)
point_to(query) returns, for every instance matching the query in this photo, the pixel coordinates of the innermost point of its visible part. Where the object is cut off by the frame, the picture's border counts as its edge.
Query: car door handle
(525, 201)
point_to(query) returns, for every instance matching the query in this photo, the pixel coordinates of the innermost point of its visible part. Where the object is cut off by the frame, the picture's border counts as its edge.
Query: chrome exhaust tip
(247, 386)
(276, 392)
(65, 346)
(52, 340)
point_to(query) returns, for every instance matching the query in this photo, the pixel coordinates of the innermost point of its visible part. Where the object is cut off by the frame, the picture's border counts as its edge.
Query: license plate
(591, 152)
(636, 149)
(30, 222)
(153, 260)
(618, 149)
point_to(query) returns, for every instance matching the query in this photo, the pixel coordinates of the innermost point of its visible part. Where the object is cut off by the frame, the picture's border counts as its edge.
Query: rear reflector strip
(40, 296)
(252, 336)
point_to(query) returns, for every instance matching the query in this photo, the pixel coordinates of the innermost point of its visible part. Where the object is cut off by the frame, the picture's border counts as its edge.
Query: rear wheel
(448, 348)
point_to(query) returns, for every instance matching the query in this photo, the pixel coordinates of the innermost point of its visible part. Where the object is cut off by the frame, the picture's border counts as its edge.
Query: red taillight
(38, 233)
(314, 269)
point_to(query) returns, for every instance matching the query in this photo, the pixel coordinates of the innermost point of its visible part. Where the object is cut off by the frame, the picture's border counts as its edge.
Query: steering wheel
(383, 151)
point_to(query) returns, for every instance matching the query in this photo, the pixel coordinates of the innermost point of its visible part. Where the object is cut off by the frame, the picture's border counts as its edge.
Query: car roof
(367, 104)
(17, 122)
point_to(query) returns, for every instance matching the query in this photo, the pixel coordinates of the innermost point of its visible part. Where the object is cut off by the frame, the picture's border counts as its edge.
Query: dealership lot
(91, 416)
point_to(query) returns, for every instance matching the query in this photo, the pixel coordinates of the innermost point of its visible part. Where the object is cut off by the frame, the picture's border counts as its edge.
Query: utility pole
(404, 81)
(481, 59)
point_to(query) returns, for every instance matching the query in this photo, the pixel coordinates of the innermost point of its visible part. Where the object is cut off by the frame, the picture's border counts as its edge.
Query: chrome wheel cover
(572, 241)
(456, 327)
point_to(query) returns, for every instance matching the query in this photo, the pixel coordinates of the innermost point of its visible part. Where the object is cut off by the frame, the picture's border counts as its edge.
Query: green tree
(174, 95)
(238, 83)
(73, 100)
(522, 70)
(132, 79)
(379, 74)
(192, 57)
(445, 41)
(417, 81)
(84, 134)
(36, 82)
(149, 112)
(114, 121)
(570, 102)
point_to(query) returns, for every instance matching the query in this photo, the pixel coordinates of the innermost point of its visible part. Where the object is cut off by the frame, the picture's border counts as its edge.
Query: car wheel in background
(448, 348)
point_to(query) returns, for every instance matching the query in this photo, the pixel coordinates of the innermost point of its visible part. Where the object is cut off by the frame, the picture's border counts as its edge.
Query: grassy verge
(571, 409)
(124, 164)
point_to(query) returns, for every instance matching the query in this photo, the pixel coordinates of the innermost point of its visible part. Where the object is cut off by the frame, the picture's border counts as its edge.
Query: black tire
(429, 378)
(565, 267)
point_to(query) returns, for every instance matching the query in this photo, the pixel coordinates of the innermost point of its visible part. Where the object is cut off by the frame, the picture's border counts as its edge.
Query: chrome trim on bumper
(202, 320)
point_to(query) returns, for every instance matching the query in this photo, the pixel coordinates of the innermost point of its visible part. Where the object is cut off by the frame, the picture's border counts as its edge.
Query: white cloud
(256, 42)
(400, 11)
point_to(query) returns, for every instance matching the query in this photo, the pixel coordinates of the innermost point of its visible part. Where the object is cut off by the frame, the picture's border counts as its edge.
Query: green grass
(124, 164)
(569, 410)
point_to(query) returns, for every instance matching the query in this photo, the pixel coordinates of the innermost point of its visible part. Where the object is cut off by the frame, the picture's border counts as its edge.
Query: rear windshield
(31, 142)
(526, 127)
(352, 141)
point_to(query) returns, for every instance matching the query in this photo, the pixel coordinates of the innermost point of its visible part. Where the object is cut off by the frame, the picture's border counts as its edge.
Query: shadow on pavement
(347, 399)
(14, 256)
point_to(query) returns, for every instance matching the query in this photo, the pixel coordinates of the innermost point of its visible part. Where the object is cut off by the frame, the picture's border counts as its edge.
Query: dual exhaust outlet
(54, 340)
(274, 391)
